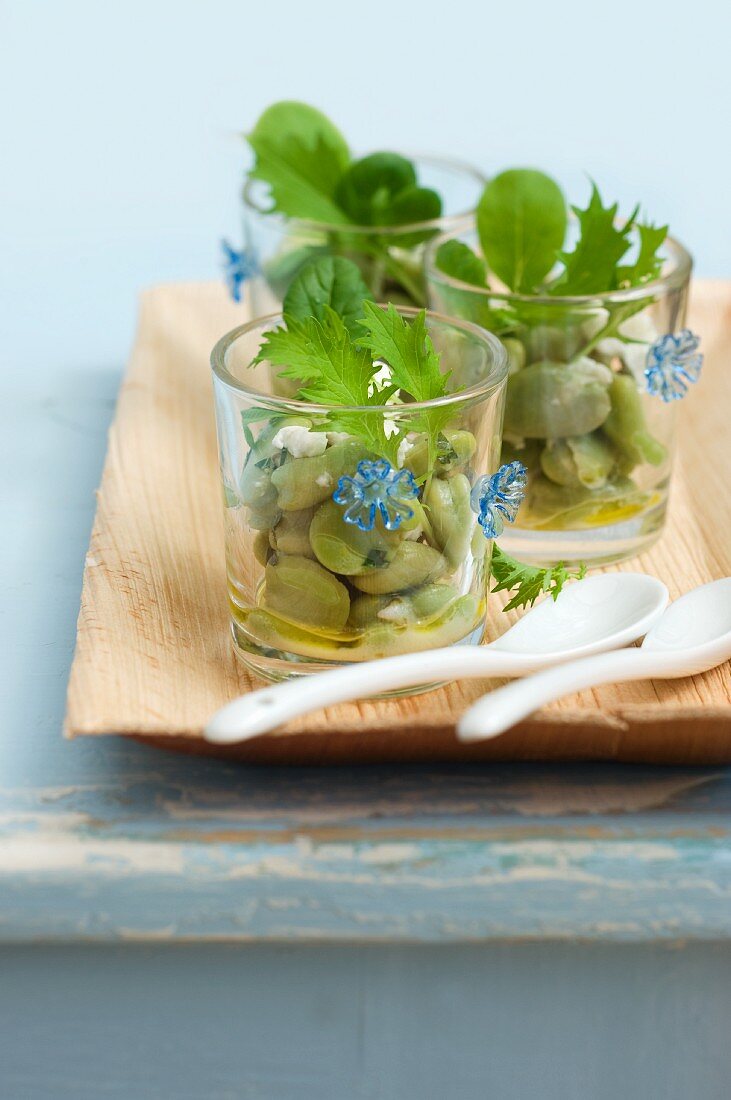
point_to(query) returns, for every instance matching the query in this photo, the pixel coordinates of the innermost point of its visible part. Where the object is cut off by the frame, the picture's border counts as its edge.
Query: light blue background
(120, 127)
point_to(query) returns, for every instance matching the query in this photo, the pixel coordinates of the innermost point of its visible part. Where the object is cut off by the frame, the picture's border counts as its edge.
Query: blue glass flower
(237, 268)
(376, 487)
(497, 497)
(673, 362)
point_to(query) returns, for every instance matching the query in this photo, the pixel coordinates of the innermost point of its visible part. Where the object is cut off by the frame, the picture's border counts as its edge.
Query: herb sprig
(522, 222)
(529, 581)
(335, 354)
(311, 175)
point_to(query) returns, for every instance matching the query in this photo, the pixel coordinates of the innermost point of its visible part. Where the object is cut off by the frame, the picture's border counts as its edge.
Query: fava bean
(304, 482)
(453, 450)
(586, 460)
(262, 518)
(261, 547)
(413, 564)
(627, 428)
(344, 548)
(291, 535)
(451, 517)
(302, 591)
(516, 354)
(553, 343)
(550, 400)
(421, 605)
(364, 610)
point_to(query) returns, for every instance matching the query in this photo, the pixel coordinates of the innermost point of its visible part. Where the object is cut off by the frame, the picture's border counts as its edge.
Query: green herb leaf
(254, 416)
(407, 348)
(332, 370)
(521, 221)
(592, 266)
(456, 259)
(648, 264)
(302, 156)
(529, 581)
(368, 187)
(328, 281)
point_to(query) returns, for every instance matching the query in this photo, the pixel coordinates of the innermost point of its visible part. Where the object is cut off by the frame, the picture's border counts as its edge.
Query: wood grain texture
(154, 658)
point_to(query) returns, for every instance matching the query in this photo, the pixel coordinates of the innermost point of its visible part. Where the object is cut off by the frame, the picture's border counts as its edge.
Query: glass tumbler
(591, 405)
(333, 554)
(390, 257)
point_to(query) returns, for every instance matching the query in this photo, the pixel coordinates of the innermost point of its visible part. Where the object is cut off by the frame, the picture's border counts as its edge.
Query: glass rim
(495, 377)
(444, 221)
(673, 279)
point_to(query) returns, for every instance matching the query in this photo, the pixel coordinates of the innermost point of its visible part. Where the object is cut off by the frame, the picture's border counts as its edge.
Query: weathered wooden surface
(154, 657)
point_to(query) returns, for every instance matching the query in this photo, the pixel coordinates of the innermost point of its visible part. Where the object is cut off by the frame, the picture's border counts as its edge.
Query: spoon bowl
(692, 636)
(590, 616)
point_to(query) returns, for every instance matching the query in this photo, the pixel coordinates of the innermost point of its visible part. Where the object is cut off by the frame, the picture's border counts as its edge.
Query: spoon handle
(499, 710)
(261, 711)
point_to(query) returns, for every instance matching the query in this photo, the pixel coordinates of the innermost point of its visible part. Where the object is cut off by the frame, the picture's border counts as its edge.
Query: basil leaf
(521, 221)
(302, 156)
(327, 281)
(369, 185)
(456, 259)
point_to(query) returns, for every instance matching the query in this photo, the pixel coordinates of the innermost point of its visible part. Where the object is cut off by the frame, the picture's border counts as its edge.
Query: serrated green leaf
(529, 581)
(591, 268)
(302, 156)
(521, 221)
(327, 281)
(332, 370)
(648, 264)
(406, 347)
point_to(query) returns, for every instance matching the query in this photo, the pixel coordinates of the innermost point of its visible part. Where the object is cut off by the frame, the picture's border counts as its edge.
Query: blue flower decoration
(377, 487)
(673, 362)
(237, 268)
(497, 497)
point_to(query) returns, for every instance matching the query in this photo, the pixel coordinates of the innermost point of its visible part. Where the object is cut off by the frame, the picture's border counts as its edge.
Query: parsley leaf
(530, 581)
(328, 281)
(302, 156)
(648, 264)
(521, 222)
(407, 348)
(591, 267)
(332, 370)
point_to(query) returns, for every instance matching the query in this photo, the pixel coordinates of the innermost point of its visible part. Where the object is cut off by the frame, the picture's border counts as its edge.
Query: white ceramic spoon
(590, 616)
(693, 635)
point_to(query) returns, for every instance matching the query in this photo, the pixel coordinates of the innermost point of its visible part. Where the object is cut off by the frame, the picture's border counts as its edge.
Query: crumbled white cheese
(390, 427)
(394, 612)
(404, 447)
(380, 379)
(299, 441)
(324, 480)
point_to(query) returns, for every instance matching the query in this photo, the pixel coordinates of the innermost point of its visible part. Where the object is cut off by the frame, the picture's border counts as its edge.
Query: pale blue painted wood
(559, 1022)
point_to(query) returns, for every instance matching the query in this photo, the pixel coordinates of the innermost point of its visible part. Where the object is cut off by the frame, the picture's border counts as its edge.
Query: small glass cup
(309, 589)
(596, 441)
(390, 257)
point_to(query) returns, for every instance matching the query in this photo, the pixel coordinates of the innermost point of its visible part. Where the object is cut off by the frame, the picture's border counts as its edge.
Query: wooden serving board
(154, 658)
